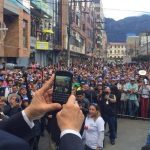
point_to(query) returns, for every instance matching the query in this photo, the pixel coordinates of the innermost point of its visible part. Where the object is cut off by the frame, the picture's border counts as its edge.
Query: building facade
(116, 51)
(100, 34)
(132, 45)
(42, 33)
(83, 21)
(16, 45)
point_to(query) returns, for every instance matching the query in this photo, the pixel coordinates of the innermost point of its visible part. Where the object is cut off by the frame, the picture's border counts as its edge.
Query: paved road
(131, 136)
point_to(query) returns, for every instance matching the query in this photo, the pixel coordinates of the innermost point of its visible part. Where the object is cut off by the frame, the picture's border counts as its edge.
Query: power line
(139, 11)
(111, 9)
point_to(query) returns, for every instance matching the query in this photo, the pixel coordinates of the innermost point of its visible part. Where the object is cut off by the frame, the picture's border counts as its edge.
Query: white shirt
(92, 131)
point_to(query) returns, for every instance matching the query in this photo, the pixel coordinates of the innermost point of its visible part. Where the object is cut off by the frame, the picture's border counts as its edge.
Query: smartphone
(62, 86)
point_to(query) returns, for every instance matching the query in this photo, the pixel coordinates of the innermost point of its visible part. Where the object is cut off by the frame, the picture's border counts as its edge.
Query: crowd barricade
(139, 109)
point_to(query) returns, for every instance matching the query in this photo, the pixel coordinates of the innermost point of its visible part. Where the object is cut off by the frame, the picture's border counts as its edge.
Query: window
(110, 51)
(118, 51)
(25, 36)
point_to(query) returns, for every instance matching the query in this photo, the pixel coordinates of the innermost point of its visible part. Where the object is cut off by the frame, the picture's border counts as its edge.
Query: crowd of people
(102, 91)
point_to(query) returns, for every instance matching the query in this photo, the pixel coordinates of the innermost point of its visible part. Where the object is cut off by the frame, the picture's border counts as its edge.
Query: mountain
(118, 30)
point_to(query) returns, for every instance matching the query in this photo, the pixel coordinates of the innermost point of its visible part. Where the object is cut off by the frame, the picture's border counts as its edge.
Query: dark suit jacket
(15, 129)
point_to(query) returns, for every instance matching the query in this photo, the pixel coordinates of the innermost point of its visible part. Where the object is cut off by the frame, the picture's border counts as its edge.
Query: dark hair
(80, 92)
(97, 109)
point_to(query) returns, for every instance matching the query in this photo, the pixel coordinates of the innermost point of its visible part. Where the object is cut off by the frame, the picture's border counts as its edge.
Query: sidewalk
(131, 136)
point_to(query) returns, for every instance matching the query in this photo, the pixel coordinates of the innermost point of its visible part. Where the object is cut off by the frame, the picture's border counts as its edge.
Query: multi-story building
(15, 16)
(132, 45)
(42, 33)
(100, 34)
(116, 51)
(79, 18)
(144, 44)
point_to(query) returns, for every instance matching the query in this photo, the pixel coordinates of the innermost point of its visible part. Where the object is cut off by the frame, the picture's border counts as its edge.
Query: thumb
(52, 106)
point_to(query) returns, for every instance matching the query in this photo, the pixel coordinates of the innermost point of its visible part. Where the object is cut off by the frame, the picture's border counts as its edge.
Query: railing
(139, 109)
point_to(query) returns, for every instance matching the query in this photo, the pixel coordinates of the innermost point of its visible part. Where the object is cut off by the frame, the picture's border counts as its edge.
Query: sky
(119, 9)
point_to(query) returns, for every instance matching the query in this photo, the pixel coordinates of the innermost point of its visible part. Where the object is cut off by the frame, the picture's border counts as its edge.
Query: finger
(71, 100)
(52, 106)
(47, 85)
(76, 104)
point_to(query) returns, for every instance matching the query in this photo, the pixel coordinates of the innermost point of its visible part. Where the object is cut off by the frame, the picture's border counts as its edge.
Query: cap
(1, 78)
(132, 79)
(23, 86)
(25, 98)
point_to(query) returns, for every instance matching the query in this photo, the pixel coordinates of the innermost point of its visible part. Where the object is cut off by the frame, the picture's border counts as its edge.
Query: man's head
(132, 80)
(107, 90)
(10, 83)
(80, 95)
(23, 90)
(86, 87)
(14, 99)
(14, 88)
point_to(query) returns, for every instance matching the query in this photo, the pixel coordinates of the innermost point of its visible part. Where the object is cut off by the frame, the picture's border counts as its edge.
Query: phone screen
(62, 84)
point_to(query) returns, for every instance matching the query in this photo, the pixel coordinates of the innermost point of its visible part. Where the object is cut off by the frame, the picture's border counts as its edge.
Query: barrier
(139, 109)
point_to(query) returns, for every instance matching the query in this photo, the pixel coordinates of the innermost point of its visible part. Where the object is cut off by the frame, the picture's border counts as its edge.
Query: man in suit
(18, 129)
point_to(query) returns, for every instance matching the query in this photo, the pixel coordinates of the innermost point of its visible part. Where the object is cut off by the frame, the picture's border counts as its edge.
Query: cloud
(119, 9)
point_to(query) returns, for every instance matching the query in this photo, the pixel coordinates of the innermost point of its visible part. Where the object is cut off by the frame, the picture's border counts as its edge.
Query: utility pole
(68, 31)
(94, 31)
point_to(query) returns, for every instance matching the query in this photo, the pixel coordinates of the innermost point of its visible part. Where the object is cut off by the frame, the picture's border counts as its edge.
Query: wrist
(69, 128)
(28, 113)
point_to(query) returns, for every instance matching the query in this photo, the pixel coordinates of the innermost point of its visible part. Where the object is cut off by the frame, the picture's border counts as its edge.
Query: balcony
(45, 7)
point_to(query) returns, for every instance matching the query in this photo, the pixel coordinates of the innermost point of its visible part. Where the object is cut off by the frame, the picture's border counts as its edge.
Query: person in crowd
(2, 105)
(93, 135)
(90, 94)
(2, 88)
(99, 99)
(23, 92)
(122, 87)
(14, 89)
(133, 104)
(110, 113)
(14, 105)
(82, 101)
(144, 92)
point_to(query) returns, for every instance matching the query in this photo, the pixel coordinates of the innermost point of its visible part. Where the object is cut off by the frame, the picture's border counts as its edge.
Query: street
(131, 135)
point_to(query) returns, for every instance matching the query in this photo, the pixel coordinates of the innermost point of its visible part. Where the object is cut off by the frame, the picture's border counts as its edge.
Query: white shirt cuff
(68, 131)
(26, 119)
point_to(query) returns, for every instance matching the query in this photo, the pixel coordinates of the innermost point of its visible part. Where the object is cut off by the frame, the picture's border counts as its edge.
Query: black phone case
(62, 97)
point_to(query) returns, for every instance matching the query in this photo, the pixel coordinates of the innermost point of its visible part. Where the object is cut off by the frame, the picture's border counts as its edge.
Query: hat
(1, 78)
(99, 83)
(142, 72)
(23, 86)
(122, 79)
(132, 79)
(25, 98)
